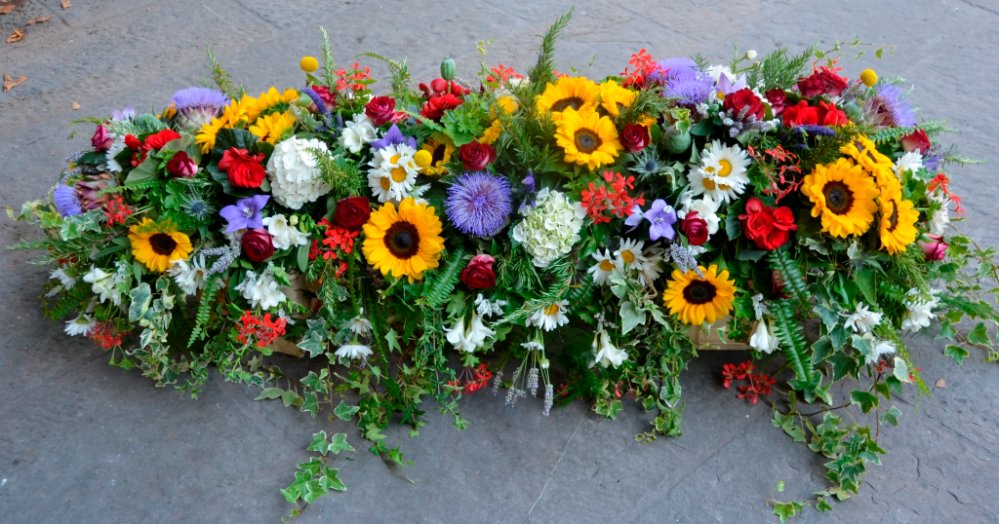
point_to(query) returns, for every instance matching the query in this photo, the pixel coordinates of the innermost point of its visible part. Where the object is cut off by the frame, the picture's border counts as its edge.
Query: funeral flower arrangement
(536, 233)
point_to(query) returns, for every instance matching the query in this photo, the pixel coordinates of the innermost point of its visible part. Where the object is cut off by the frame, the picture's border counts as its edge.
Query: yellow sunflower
(614, 97)
(843, 195)
(440, 148)
(898, 221)
(578, 93)
(864, 152)
(270, 128)
(508, 105)
(207, 133)
(404, 242)
(269, 99)
(158, 244)
(697, 299)
(588, 139)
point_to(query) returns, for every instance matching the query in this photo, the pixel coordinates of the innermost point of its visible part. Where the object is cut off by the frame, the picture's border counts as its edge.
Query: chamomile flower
(353, 352)
(81, 325)
(66, 280)
(550, 317)
(722, 173)
(359, 325)
(605, 266)
(630, 255)
(392, 176)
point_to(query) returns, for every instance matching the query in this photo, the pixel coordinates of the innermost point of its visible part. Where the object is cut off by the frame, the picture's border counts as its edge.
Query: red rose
(258, 245)
(694, 228)
(767, 227)
(101, 140)
(242, 168)
(822, 81)
(380, 109)
(133, 143)
(936, 249)
(436, 105)
(479, 274)
(800, 114)
(182, 165)
(917, 141)
(829, 115)
(476, 156)
(635, 137)
(743, 104)
(352, 213)
(777, 99)
(161, 138)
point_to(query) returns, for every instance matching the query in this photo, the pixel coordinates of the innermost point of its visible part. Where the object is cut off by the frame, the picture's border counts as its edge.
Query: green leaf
(139, 297)
(302, 258)
(865, 281)
(822, 505)
(865, 400)
(392, 339)
(143, 172)
(269, 394)
(890, 417)
(339, 443)
(319, 443)
(786, 510)
(345, 412)
(956, 352)
(979, 335)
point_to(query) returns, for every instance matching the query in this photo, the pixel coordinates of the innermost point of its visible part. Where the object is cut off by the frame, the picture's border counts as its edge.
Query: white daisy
(550, 317)
(357, 133)
(261, 290)
(919, 310)
(630, 255)
(189, 275)
(283, 234)
(722, 173)
(941, 217)
(908, 163)
(607, 354)
(392, 176)
(601, 271)
(863, 320)
(764, 339)
(81, 325)
(472, 338)
(67, 281)
(353, 351)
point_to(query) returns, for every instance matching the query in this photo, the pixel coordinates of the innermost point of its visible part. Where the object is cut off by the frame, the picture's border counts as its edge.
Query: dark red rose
(380, 109)
(917, 141)
(767, 227)
(258, 245)
(161, 138)
(242, 168)
(694, 228)
(635, 137)
(436, 105)
(743, 104)
(101, 140)
(800, 114)
(352, 213)
(182, 165)
(479, 274)
(829, 115)
(822, 81)
(935, 249)
(777, 99)
(476, 156)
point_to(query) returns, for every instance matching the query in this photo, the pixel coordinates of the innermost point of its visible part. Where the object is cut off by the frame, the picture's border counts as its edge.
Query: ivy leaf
(345, 412)
(890, 417)
(269, 394)
(979, 335)
(139, 298)
(339, 443)
(392, 338)
(956, 352)
(865, 400)
(786, 510)
(319, 443)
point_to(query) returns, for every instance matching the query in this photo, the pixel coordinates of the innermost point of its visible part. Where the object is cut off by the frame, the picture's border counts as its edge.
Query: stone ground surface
(83, 442)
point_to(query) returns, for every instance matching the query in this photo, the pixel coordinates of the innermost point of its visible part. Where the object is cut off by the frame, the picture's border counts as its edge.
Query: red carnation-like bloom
(800, 114)
(380, 109)
(352, 213)
(822, 81)
(258, 245)
(694, 228)
(743, 104)
(769, 228)
(242, 168)
(161, 138)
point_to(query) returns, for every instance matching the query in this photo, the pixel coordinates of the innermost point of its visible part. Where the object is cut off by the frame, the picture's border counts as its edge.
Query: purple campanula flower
(393, 137)
(635, 218)
(479, 204)
(245, 213)
(662, 216)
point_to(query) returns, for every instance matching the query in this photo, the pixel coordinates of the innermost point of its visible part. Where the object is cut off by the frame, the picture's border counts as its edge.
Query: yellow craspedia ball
(309, 64)
(422, 158)
(868, 77)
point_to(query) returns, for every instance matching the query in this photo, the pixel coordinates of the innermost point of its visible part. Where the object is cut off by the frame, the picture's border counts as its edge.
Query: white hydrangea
(294, 174)
(283, 234)
(550, 228)
(261, 290)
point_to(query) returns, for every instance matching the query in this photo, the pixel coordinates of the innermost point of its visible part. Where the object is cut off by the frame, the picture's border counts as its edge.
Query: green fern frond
(894, 134)
(778, 70)
(794, 280)
(795, 345)
(437, 290)
(204, 311)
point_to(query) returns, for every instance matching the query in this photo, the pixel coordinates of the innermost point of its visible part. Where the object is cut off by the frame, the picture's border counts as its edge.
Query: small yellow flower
(423, 158)
(309, 64)
(868, 77)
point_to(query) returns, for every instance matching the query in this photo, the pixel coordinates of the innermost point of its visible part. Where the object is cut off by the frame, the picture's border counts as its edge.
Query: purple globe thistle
(66, 200)
(479, 203)
(672, 70)
(888, 108)
(196, 106)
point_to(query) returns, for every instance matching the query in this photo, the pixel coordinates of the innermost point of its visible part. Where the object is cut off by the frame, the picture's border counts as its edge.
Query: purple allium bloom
(199, 98)
(393, 137)
(125, 114)
(888, 107)
(662, 216)
(245, 213)
(66, 200)
(478, 204)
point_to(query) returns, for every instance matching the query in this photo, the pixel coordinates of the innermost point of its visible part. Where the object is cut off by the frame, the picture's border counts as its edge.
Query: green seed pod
(447, 69)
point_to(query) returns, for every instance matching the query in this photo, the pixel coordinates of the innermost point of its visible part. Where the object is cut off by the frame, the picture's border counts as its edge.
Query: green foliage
(542, 72)
(794, 281)
(344, 176)
(795, 346)
(204, 312)
(779, 70)
(786, 510)
(223, 80)
(437, 289)
(891, 135)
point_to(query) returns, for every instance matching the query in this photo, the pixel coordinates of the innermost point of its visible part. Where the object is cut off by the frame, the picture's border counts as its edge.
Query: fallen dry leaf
(10, 82)
(16, 36)
(66, 4)
(7, 9)
(38, 20)
(941, 383)
(75, 106)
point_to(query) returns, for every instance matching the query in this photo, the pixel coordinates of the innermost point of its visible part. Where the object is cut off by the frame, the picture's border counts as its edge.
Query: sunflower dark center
(699, 292)
(162, 244)
(893, 218)
(438, 154)
(402, 240)
(586, 141)
(573, 101)
(839, 198)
